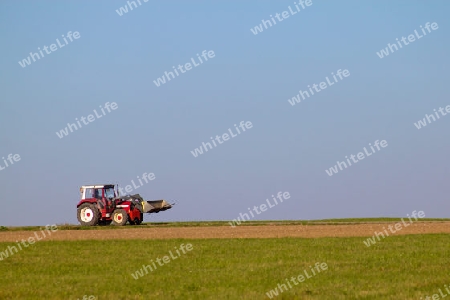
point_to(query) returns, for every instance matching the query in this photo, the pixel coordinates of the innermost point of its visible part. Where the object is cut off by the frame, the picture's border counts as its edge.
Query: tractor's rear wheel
(88, 215)
(119, 217)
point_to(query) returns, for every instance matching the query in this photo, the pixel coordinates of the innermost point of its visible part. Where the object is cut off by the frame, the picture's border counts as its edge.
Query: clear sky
(250, 78)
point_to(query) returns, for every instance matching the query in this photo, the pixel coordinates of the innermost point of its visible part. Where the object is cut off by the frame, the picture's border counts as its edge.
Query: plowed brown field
(217, 232)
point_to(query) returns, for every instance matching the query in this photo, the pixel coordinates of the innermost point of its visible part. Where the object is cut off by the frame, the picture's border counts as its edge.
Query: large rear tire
(119, 217)
(88, 214)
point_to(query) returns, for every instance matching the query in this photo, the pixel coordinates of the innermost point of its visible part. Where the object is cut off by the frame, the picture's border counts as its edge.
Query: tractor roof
(97, 186)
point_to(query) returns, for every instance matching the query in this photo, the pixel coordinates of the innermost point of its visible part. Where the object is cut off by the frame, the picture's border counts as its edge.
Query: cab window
(89, 193)
(98, 193)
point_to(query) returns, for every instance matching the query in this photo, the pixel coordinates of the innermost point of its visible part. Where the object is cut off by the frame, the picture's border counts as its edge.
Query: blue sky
(250, 78)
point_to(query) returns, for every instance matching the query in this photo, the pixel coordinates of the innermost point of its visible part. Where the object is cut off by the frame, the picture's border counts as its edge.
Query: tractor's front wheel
(119, 217)
(88, 215)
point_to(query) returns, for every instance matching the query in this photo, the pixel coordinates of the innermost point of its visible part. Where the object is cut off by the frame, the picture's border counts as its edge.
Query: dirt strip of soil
(217, 232)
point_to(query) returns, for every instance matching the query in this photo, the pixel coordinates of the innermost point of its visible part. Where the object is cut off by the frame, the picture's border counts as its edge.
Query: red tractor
(102, 205)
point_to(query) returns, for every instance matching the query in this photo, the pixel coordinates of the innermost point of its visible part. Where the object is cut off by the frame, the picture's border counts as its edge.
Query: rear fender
(87, 201)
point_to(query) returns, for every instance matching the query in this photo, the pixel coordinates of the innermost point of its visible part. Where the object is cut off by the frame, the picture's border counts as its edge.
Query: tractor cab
(98, 192)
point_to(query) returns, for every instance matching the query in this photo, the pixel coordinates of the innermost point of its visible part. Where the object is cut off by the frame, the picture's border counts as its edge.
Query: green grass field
(223, 223)
(398, 267)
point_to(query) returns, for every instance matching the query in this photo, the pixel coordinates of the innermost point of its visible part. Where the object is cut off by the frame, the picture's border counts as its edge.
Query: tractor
(102, 205)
